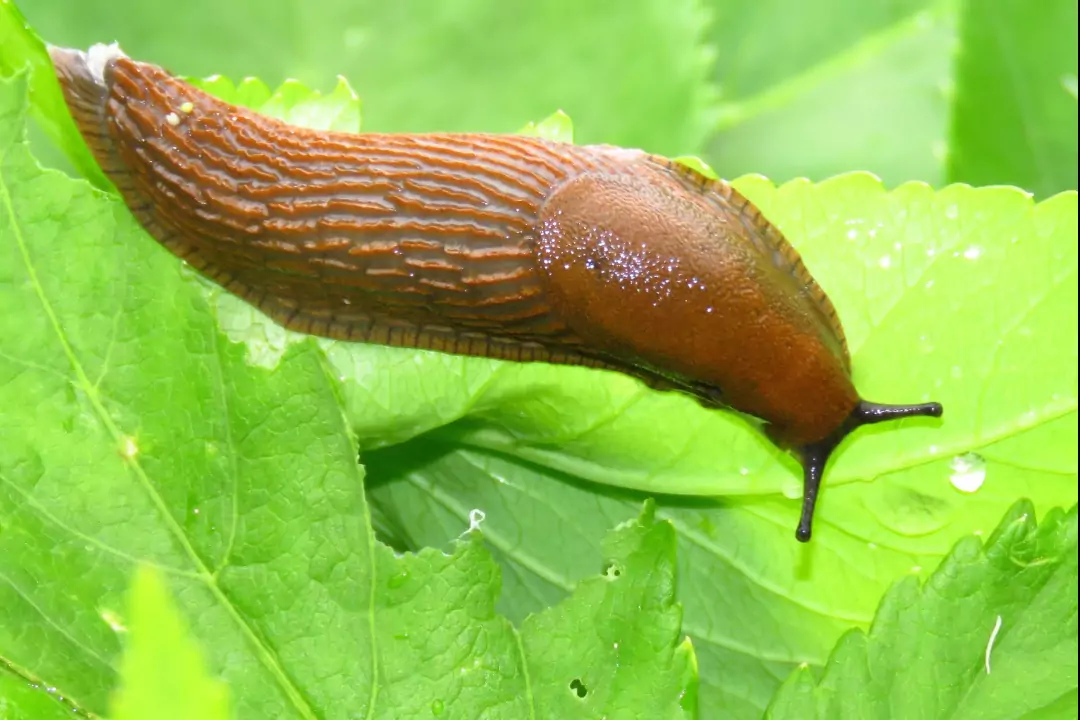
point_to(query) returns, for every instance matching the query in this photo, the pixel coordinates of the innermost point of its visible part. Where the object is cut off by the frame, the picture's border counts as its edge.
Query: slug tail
(84, 80)
(815, 456)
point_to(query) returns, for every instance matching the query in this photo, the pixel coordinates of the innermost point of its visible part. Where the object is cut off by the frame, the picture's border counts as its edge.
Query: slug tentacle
(815, 456)
(502, 246)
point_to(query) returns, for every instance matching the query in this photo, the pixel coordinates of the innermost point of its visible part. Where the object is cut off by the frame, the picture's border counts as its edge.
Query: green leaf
(991, 634)
(814, 89)
(163, 674)
(21, 47)
(22, 699)
(556, 127)
(611, 630)
(251, 92)
(1012, 124)
(734, 566)
(905, 254)
(975, 312)
(575, 664)
(149, 440)
(695, 163)
(136, 434)
(292, 102)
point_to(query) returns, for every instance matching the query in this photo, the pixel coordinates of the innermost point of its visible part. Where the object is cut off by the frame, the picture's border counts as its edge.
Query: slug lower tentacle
(503, 246)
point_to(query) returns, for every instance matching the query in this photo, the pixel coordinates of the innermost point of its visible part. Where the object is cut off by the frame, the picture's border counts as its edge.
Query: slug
(491, 245)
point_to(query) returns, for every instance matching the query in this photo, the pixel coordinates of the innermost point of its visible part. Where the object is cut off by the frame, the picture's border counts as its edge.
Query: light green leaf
(695, 163)
(574, 664)
(991, 634)
(21, 47)
(163, 674)
(292, 102)
(23, 699)
(251, 92)
(736, 563)
(890, 261)
(1012, 124)
(556, 127)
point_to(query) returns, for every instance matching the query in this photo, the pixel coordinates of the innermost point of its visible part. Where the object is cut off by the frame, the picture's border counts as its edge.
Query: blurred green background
(982, 91)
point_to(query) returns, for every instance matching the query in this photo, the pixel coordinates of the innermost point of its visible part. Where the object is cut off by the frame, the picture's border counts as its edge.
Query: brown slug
(500, 246)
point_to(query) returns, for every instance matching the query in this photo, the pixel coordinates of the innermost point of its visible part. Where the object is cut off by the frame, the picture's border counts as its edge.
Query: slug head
(814, 456)
(656, 272)
(677, 274)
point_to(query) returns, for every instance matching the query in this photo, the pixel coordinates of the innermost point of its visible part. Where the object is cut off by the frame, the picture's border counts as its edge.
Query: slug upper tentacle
(503, 246)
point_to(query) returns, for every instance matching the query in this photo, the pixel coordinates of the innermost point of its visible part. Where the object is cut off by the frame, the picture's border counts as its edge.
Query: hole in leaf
(579, 688)
(612, 571)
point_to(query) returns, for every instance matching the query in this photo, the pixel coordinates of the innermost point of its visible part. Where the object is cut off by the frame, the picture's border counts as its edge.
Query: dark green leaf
(630, 73)
(1014, 122)
(991, 634)
(813, 89)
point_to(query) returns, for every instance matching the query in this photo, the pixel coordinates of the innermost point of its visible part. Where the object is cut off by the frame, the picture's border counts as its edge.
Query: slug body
(502, 246)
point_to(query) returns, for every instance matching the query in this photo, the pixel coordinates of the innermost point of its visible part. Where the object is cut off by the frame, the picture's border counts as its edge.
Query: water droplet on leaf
(968, 472)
